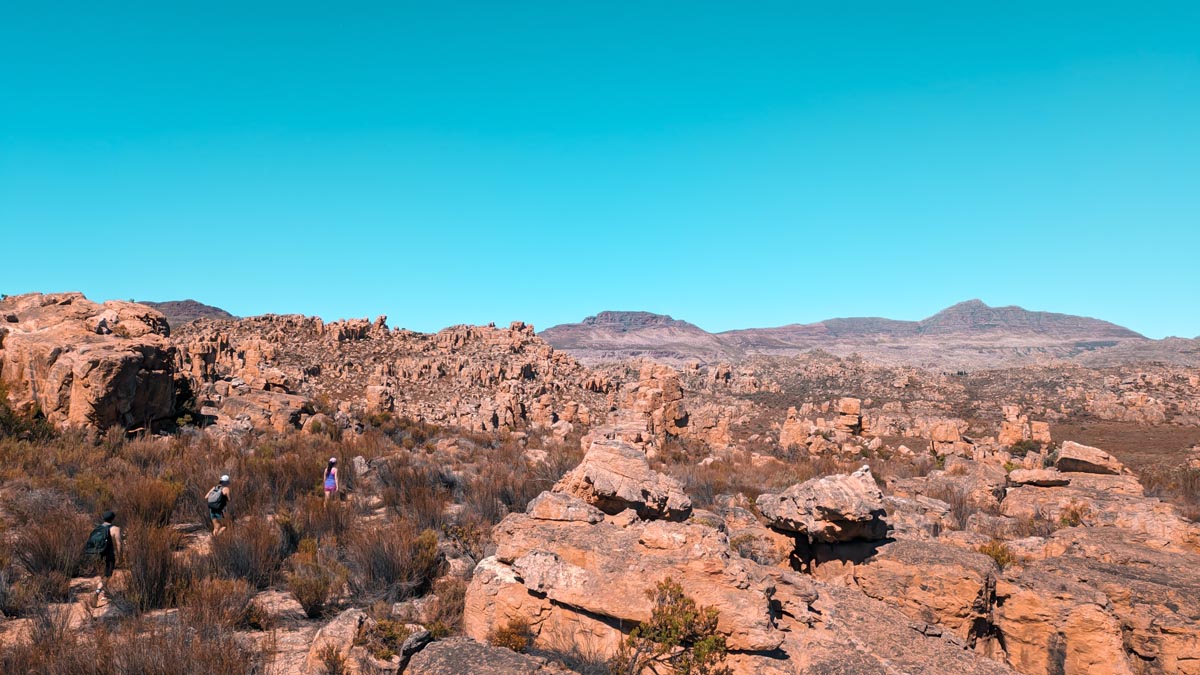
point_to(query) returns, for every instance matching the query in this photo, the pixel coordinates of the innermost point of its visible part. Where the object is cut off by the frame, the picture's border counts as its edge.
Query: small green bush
(680, 637)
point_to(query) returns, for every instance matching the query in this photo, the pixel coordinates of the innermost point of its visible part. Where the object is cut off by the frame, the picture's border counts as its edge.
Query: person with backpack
(330, 479)
(104, 543)
(218, 499)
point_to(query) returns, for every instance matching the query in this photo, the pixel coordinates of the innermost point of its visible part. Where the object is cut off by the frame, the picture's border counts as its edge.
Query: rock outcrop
(87, 365)
(1082, 458)
(615, 476)
(830, 509)
(581, 583)
(458, 656)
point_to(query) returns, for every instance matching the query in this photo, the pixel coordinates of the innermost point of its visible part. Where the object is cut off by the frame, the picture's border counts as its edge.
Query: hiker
(218, 499)
(331, 479)
(104, 543)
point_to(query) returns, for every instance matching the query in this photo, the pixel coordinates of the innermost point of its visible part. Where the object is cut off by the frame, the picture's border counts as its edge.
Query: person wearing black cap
(105, 544)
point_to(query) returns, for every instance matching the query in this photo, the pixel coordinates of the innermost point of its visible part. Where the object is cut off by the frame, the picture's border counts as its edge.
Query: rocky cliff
(84, 364)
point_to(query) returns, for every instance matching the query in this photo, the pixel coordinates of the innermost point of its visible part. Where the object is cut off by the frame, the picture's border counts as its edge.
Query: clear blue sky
(733, 164)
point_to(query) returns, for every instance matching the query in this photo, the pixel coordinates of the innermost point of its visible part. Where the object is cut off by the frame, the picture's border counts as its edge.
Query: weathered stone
(560, 506)
(54, 360)
(338, 634)
(463, 656)
(614, 476)
(933, 583)
(1082, 458)
(1038, 477)
(834, 508)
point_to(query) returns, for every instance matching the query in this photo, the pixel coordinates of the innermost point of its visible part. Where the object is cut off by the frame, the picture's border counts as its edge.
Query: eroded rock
(834, 508)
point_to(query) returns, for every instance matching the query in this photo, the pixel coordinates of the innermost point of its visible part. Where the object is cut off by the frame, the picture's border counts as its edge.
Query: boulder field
(868, 583)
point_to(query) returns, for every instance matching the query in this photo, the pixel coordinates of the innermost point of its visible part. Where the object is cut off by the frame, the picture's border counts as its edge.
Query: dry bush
(213, 605)
(1036, 525)
(514, 635)
(1022, 448)
(314, 577)
(252, 549)
(737, 474)
(275, 476)
(1179, 485)
(958, 499)
(52, 648)
(958, 469)
(451, 593)
(333, 660)
(154, 574)
(416, 491)
(312, 518)
(501, 489)
(18, 597)
(171, 650)
(392, 561)
(51, 550)
(894, 467)
(1000, 552)
(472, 534)
(1075, 514)
(383, 638)
(149, 501)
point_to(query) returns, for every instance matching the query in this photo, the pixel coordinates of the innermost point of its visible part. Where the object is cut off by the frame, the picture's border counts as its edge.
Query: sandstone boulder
(568, 577)
(565, 507)
(1038, 478)
(794, 432)
(1105, 500)
(338, 634)
(463, 656)
(83, 364)
(933, 583)
(1085, 459)
(834, 508)
(614, 476)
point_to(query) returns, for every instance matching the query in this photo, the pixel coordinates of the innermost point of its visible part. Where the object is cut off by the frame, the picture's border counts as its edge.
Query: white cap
(225, 478)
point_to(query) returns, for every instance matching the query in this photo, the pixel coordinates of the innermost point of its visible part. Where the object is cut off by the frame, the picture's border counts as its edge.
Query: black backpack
(98, 541)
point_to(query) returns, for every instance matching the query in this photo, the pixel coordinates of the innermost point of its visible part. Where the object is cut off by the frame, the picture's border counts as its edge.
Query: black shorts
(109, 561)
(216, 514)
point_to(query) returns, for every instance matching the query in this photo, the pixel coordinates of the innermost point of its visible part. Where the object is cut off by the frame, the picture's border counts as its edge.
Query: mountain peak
(631, 320)
(974, 317)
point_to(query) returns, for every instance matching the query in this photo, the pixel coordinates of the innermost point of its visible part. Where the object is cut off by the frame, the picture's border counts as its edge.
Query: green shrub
(1024, 447)
(680, 637)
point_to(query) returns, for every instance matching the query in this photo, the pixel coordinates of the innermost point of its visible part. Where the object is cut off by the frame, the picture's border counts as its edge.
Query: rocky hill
(836, 514)
(182, 311)
(967, 336)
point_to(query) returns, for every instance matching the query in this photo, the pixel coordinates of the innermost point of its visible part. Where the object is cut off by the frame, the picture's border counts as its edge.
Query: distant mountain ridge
(182, 311)
(969, 334)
